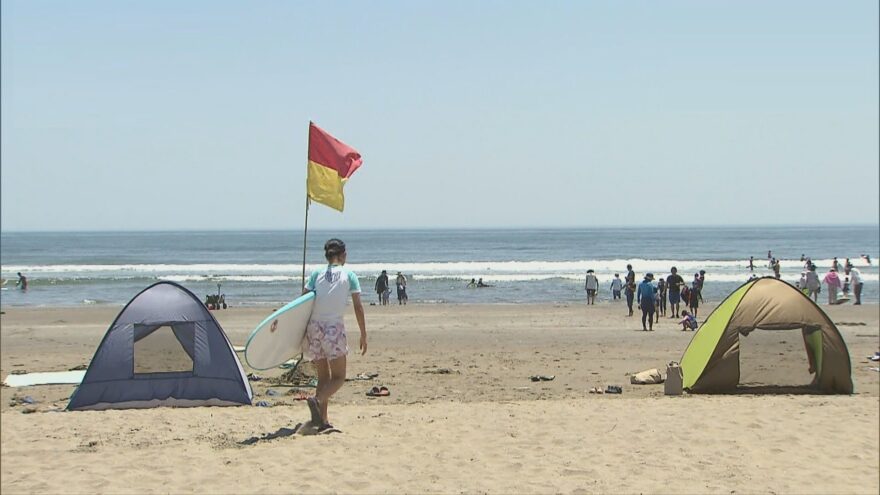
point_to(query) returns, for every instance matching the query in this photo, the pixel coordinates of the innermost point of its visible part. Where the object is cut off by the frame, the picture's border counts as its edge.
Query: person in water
(481, 284)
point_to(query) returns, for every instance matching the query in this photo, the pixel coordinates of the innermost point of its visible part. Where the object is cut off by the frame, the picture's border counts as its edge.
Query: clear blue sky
(178, 115)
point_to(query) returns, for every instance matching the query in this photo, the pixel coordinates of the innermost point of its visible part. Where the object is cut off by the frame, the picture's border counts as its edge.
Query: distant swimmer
(866, 258)
(472, 283)
(481, 284)
(22, 282)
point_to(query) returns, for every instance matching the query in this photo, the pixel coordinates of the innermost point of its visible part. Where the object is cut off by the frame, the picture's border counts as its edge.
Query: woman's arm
(362, 321)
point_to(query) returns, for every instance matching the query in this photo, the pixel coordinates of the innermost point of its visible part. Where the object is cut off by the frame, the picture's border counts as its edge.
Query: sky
(168, 115)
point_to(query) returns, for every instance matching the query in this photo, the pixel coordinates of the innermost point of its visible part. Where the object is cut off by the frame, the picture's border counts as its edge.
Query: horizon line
(446, 228)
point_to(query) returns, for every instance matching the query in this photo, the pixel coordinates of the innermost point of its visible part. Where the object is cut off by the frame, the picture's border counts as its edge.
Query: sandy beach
(463, 415)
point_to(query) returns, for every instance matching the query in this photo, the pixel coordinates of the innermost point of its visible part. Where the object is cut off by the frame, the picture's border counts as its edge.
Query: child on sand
(688, 322)
(326, 341)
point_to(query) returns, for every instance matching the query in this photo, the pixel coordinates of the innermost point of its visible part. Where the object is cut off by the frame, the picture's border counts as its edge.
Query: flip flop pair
(379, 392)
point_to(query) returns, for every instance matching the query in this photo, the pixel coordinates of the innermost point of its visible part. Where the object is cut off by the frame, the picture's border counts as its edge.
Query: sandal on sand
(613, 389)
(379, 392)
(315, 410)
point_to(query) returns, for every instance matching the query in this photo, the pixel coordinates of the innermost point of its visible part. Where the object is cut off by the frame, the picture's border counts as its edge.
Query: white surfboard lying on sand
(45, 378)
(279, 337)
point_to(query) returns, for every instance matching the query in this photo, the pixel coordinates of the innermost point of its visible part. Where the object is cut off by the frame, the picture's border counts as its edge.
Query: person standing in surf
(382, 287)
(629, 288)
(591, 285)
(327, 345)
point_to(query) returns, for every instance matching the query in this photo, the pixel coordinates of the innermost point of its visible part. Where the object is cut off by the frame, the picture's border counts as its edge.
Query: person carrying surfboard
(327, 343)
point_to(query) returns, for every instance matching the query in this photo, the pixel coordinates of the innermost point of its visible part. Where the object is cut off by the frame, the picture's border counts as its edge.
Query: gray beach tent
(164, 349)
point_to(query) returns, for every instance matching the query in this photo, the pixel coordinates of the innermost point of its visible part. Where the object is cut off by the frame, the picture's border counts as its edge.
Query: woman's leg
(331, 377)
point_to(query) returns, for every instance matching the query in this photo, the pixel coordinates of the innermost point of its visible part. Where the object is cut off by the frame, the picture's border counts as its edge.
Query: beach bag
(647, 377)
(673, 385)
(685, 294)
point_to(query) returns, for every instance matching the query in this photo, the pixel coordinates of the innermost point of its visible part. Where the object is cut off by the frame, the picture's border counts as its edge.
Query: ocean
(263, 268)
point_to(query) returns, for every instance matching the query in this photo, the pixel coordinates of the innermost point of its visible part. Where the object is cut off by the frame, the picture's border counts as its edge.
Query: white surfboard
(279, 337)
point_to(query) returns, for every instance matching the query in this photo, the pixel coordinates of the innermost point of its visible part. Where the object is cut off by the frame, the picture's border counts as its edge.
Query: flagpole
(305, 234)
(306, 226)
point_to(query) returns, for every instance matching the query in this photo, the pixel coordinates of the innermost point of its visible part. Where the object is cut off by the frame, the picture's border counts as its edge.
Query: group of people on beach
(651, 297)
(810, 284)
(383, 288)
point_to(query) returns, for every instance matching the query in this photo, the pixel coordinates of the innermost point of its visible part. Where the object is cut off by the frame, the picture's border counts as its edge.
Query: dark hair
(333, 248)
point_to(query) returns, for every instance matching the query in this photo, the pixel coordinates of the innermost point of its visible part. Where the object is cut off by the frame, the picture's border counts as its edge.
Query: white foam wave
(510, 271)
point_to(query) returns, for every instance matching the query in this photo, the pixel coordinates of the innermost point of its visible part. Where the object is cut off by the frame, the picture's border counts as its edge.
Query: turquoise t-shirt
(333, 286)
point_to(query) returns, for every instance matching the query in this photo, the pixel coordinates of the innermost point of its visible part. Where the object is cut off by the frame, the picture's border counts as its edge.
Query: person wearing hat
(832, 280)
(645, 296)
(402, 298)
(592, 286)
(382, 288)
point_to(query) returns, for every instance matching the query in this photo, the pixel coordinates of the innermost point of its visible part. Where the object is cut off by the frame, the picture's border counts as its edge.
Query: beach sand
(463, 415)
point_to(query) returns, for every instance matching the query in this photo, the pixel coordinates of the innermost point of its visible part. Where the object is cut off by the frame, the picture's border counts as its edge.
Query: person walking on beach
(630, 288)
(22, 282)
(855, 277)
(325, 335)
(833, 282)
(402, 298)
(702, 283)
(382, 288)
(673, 286)
(835, 264)
(645, 297)
(751, 263)
(814, 286)
(616, 287)
(776, 267)
(661, 291)
(591, 286)
(694, 295)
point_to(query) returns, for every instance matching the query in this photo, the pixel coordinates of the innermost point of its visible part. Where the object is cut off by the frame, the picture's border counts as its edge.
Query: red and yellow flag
(331, 163)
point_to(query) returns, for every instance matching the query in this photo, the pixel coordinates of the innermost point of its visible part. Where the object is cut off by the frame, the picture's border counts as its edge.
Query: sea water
(525, 265)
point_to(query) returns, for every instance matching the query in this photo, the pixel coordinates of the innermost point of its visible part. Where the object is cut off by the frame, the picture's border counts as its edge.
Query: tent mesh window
(163, 349)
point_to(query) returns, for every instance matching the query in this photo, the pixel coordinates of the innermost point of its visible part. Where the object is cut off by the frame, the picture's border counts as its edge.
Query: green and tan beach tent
(711, 361)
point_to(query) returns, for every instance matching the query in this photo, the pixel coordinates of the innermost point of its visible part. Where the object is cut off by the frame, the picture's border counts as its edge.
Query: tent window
(163, 351)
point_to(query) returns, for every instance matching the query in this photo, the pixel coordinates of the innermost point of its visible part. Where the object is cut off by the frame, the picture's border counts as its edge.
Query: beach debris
(254, 377)
(262, 403)
(271, 392)
(441, 371)
(364, 376)
(79, 367)
(542, 378)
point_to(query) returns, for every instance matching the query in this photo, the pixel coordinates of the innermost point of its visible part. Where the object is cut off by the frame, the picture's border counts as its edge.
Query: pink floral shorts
(325, 340)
